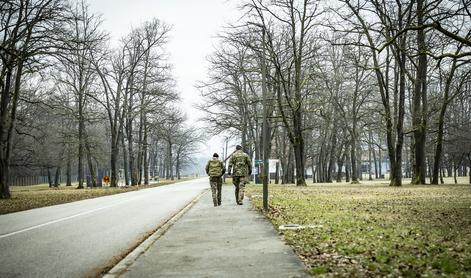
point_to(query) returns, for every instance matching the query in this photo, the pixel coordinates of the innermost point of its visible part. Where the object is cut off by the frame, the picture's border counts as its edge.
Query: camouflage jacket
(240, 164)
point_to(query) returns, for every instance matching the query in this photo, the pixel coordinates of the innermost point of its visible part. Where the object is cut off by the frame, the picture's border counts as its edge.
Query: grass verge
(371, 230)
(36, 196)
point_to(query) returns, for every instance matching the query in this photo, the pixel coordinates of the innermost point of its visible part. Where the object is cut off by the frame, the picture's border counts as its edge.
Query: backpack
(215, 168)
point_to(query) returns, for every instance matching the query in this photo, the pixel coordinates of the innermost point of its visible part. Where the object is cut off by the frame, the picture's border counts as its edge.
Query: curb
(123, 265)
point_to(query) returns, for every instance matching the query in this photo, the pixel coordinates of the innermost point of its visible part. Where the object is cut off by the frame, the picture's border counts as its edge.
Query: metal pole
(266, 151)
(225, 157)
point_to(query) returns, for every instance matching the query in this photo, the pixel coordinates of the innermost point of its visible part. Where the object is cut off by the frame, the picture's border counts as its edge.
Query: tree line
(348, 82)
(71, 100)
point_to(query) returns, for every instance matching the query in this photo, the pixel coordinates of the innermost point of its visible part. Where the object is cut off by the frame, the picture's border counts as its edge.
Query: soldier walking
(242, 168)
(215, 169)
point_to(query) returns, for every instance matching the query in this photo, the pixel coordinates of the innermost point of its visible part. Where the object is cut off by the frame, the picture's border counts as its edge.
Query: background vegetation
(76, 107)
(374, 87)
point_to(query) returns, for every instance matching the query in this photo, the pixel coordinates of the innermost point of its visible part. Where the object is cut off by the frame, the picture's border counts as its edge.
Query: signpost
(266, 150)
(265, 131)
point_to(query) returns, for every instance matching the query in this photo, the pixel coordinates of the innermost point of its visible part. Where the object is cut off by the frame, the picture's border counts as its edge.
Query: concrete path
(224, 241)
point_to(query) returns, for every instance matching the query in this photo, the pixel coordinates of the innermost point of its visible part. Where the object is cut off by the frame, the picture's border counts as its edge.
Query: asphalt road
(78, 239)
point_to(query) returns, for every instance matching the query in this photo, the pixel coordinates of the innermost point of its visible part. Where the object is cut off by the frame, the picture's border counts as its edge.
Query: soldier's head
(238, 147)
(215, 155)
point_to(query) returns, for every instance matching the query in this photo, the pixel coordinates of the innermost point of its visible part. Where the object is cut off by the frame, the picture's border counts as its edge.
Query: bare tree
(186, 143)
(28, 30)
(290, 45)
(76, 73)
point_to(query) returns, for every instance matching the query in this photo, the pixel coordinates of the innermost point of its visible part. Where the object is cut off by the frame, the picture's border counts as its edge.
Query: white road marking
(66, 218)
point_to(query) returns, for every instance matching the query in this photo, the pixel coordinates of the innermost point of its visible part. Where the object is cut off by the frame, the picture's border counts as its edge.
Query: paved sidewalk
(224, 241)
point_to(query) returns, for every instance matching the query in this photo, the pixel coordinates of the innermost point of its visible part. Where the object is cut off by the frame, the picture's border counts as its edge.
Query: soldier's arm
(207, 168)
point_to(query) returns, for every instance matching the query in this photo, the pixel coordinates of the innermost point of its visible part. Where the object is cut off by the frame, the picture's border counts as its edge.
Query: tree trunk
(49, 177)
(291, 176)
(396, 171)
(313, 169)
(454, 173)
(125, 161)
(370, 177)
(177, 166)
(170, 162)
(441, 176)
(57, 177)
(91, 169)
(441, 123)
(146, 155)
(397, 175)
(4, 139)
(81, 130)
(290, 166)
(285, 163)
(375, 161)
(114, 161)
(140, 146)
(347, 167)
(162, 166)
(340, 163)
(353, 158)
(419, 107)
(429, 170)
(332, 152)
(131, 159)
(299, 154)
(320, 164)
(68, 171)
(277, 174)
(7, 125)
(359, 167)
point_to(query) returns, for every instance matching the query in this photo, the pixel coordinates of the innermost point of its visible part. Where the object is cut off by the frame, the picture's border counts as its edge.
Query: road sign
(106, 179)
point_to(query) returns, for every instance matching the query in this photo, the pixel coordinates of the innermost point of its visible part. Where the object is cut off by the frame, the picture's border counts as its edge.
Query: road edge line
(127, 261)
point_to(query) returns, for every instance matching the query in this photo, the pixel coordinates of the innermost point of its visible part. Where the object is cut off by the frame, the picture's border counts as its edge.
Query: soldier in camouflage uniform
(215, 169)
(242, 168)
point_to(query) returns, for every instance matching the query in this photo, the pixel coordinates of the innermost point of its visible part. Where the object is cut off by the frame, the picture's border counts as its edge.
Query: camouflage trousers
(216, 184)
(239, 183)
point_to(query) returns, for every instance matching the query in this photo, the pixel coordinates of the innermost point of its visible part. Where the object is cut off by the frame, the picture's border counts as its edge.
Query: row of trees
(69, 100)
(348, 81)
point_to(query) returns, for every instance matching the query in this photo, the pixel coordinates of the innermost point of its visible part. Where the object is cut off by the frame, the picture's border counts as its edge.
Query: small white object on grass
(297, 226)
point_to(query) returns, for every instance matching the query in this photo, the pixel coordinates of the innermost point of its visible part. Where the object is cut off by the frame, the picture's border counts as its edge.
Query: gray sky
(194, 27)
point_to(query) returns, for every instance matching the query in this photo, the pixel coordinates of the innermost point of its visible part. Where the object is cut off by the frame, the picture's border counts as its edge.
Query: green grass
(36, 196)
(371, 230)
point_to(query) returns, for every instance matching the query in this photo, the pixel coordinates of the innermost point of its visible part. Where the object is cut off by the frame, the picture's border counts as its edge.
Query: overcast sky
(195, 24)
